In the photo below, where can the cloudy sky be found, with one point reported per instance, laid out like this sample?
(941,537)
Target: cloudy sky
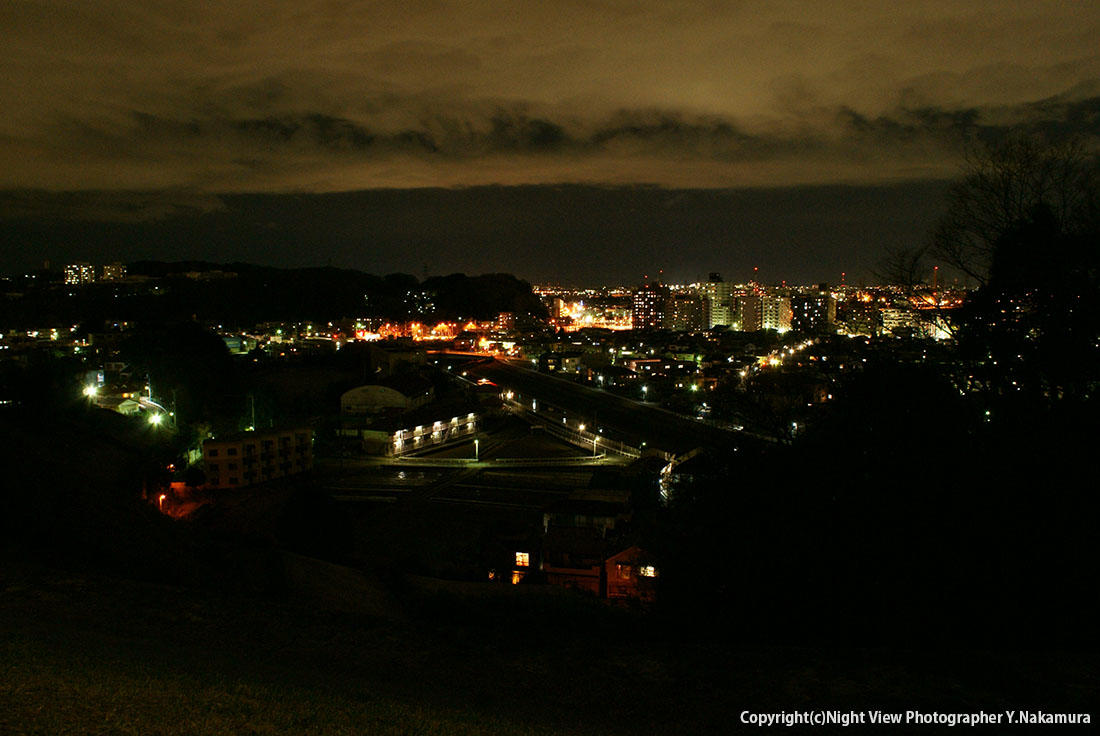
(203,99)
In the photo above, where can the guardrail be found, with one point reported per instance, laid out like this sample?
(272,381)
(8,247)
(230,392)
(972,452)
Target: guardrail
(510,462)
(577,460)
(458,462)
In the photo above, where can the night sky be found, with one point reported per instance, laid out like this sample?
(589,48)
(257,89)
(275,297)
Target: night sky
(582,142)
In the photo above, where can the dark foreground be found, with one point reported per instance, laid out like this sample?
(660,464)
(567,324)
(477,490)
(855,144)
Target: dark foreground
(337,652)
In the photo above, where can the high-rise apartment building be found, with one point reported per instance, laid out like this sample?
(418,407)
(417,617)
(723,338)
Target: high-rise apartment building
(77,274)
(720,305)
(686,313)
(775,313)
(113,272)
(750,313)
(813,312)
(648,308)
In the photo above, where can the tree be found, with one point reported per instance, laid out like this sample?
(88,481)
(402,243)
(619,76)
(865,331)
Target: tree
(1023,223)
(1005,185)
(905,267)
(188,365)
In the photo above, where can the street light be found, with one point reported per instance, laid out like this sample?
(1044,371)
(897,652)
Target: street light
(155,419)
(90,390)
(581,427)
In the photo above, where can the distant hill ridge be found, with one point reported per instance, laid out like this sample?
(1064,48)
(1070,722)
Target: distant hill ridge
(264,293)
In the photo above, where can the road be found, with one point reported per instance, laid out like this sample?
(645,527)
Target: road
(632,422)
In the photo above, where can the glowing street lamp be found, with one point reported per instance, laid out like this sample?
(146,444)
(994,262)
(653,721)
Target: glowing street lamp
(155,419)
(90,390)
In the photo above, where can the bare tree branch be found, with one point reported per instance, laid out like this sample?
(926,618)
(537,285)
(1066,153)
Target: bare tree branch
(1003,185)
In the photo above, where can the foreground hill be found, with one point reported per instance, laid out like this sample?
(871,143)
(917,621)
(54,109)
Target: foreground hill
(114,619)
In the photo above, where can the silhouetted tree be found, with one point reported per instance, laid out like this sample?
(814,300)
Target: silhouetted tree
(1024,223)
(1005,185)
(188,365)
(904,267)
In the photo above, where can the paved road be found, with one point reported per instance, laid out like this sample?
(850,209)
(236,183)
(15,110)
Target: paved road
(620,418)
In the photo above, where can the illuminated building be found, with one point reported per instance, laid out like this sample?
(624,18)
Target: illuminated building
(397,435)
(557,308)
(649,304)
(114,272)
(255,457)
(628,575)
(750,313)
(813,312)
(720,304)
(565,362)
(775,313)
(77,274)
(686,314)
(898,321)
(661,367)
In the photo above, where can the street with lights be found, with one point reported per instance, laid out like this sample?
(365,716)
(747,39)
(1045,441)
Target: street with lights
(631,422)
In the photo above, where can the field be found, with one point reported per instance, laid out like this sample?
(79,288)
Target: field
(90,654)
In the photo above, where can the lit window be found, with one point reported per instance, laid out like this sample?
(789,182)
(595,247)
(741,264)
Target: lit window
(523,559)
(647,571)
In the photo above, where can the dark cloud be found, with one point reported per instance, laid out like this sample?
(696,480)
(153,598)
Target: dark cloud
(103,206)
(338,94)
